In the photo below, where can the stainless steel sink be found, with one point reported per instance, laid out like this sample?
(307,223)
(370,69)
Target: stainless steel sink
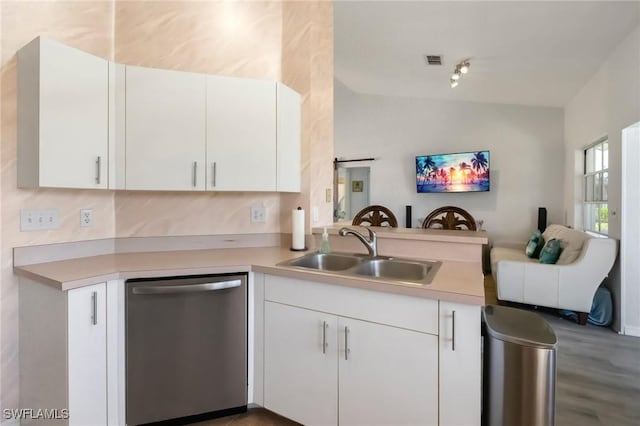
(403,270)
(325,262)
(378,267)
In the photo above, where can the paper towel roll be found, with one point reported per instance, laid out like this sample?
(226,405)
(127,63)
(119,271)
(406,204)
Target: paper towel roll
(297,226)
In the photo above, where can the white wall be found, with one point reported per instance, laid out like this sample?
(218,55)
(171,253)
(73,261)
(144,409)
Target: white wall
(526,155)
(608,103)
(630,225)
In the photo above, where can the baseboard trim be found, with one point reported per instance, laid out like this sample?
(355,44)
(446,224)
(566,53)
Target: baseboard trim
(632,331)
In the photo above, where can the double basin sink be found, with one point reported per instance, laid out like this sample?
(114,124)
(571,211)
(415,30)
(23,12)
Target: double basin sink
(374,267)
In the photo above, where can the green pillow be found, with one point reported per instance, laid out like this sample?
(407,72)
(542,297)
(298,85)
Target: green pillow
(551,251)
(535,244)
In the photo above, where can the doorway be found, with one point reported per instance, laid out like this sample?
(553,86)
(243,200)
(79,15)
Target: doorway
(352,192)
(629,231)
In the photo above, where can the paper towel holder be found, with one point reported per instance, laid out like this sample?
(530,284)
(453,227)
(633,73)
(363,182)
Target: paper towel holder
(305,248)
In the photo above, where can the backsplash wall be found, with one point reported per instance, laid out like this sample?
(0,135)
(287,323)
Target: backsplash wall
(307,66)
(87,26)
(244,39)
(241,39)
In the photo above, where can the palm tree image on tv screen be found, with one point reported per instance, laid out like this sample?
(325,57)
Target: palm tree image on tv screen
(458,172)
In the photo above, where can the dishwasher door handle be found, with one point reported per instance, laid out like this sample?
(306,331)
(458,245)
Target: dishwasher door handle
(193,288)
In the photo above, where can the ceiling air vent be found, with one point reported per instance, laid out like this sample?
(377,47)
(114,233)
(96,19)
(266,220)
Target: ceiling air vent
(433,59)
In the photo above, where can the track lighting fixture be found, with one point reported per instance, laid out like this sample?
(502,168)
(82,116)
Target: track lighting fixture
(461,68)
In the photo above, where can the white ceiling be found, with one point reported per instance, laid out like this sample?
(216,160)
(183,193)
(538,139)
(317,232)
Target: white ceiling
(521,52)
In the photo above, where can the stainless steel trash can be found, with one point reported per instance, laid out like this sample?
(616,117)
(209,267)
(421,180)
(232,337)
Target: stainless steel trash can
(519,368)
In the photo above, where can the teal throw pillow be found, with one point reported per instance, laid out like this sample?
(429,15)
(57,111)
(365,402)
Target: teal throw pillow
(551,251)
(535,244)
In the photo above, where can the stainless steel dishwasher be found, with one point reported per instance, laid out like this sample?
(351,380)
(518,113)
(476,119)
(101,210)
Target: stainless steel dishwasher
(186,348)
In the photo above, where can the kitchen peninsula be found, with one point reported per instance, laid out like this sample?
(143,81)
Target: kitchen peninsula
(405,351)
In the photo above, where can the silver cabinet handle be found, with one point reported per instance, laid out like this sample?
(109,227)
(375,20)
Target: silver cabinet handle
(453,330)
(98,161)
(195,174)
(193,288)
(324,337)
(346,343)
(213,174)
(94,308)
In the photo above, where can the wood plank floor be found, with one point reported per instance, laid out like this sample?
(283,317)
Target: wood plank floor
(598,378)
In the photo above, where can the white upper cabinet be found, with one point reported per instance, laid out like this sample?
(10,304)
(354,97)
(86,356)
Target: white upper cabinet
(289,138)
(241,134)
(63,101)
(85,122)
(165,129)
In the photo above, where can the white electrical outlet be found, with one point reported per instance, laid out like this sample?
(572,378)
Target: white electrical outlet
(86,217)
(258,214)
(39,220)
(316,214)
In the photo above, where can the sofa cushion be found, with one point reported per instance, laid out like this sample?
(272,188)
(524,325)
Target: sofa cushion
(551,251)
(535,244)
(507,253)
(571,242)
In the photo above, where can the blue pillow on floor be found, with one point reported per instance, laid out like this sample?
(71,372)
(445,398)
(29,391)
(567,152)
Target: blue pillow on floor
(601,309)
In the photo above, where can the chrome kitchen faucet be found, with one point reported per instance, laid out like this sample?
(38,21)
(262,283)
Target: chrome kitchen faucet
(371,244)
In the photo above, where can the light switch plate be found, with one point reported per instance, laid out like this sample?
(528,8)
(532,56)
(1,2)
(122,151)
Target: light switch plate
(258,214)
(39,220)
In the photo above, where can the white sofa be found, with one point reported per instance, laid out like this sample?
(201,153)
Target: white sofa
(569,284)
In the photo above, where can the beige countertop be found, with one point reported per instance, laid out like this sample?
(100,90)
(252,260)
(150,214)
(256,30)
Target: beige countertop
(438,235)
(455,281)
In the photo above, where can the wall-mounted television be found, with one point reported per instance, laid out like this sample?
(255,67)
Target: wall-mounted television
(456,172)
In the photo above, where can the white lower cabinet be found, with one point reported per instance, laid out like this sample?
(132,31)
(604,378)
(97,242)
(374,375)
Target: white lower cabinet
(387,375)
(300,381)
(87,356)
(460,364)
(339,355)
(65,362)
(321,369)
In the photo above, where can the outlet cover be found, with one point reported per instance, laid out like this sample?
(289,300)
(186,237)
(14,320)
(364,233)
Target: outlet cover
(86,217)
(258,214)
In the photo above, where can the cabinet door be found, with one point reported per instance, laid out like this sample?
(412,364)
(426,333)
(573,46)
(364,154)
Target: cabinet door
(299,375)
(387,375)
(87,356)
(63,99)
(165,129)
(241,134)
(460,364)
(289,139)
